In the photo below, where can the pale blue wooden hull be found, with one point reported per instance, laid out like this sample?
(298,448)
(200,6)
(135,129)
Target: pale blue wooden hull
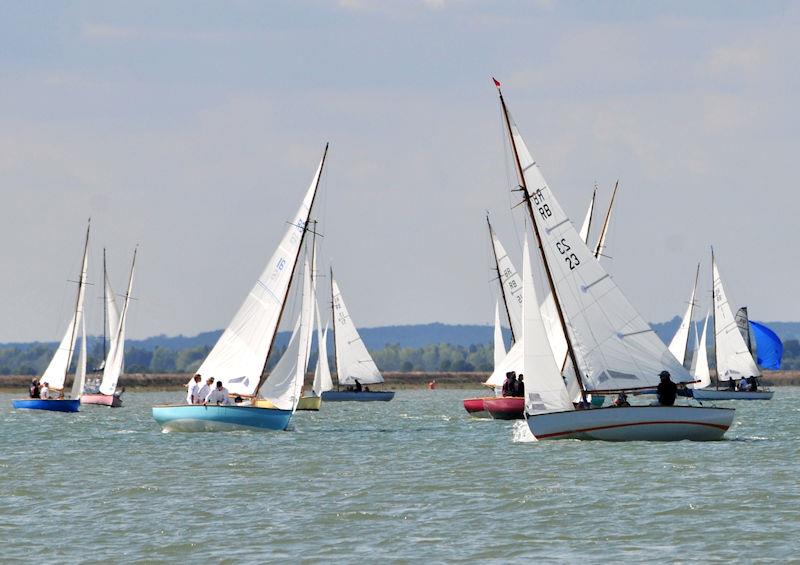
(363,396)
(51,405)
(198,418)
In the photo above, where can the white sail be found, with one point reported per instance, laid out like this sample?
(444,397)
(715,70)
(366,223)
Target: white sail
(616,349)
(239,356)
(544,388)
(112,368)
(284,385)
(587,220)
(701,372)
(112,313)
(511,283)
(693,365)
(80,368)
(353,361)
(679,346)
(56,372)
(322,376)
(734,360)
(499,344)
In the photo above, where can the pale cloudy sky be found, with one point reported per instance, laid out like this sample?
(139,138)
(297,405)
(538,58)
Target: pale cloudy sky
(193,128)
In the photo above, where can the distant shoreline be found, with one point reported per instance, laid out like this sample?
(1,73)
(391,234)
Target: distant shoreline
(394,380)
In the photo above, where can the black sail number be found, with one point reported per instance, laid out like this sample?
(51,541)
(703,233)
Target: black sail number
(565,249)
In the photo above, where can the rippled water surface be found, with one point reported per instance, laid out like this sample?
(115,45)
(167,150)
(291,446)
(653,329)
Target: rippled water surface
(407,480)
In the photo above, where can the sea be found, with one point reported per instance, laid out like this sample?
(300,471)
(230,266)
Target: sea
(408,481)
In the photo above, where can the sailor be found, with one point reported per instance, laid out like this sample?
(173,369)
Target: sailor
(743,386)
(621,400)
(191,390)
(34,388)
(509,386)
(753,382)
(731,384)
(519,389)
(218,396)
(667,390)
(204,391)
(44,391)
(358,386)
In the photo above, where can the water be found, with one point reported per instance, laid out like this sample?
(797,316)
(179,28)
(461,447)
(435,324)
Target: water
(403,481)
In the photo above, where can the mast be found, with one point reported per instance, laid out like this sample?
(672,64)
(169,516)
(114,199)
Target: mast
(500,278)
(527,199)
(333,326)
(105,304)
(714,306)
(601,240)
(294,270)
(77,303)
(694,293)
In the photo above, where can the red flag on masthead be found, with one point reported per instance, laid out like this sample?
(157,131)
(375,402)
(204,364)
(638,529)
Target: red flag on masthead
(496,82)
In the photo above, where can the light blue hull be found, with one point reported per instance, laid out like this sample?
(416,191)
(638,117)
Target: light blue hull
(198,418)
(363,396)
(51,405)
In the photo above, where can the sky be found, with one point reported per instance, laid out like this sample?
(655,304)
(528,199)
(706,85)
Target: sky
(194,128)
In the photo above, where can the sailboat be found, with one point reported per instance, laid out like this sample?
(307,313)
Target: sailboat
(679,345)
(56,373)
(610,346)
(108,395)
(734,360)
(239,357)
(355,368)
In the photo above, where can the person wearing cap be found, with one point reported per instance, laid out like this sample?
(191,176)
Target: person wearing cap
(192,387)
(510,384)
(218,396)
(667,390)
(44,391)
(34,388)
(204,391)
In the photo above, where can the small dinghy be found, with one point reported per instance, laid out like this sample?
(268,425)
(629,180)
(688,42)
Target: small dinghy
(610,347)
(239,358)
(56,373)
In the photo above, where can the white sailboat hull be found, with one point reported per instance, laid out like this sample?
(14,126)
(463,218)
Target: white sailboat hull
(713,394)
(634,423)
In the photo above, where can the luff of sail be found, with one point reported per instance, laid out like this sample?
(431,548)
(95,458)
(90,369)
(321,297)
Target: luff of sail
(615,348)
(239,356)
(353,361)
(112,368)
(56,372)
(679,345)
(734,360)
(112,313)
(701,372)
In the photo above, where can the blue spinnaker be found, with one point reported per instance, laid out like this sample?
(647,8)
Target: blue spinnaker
(769,348)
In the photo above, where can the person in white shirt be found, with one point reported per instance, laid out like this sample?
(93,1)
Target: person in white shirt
(204,391)
(44,392)
(743,386)
(218,396)
(192,388)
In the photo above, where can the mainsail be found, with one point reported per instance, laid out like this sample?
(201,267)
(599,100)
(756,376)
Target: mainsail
(614,347)
(510,285)
(353,361)
(56,372)
(679,346)
(239,356)
(111,322)
(734,360)
(112,368)
(80,368)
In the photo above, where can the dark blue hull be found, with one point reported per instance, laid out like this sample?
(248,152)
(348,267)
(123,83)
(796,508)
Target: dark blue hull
(50,405)
(363,396)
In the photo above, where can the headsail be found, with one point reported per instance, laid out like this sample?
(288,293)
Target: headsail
(769,348)
(353,361)
(322,375)
(80,368)
(701,372)
(587,220)
(239,356)
(613,345)
(679,346)
(544,388)
(734,360)
(499,344)
(112,313)
(510,285)
(56,372)
(112,368)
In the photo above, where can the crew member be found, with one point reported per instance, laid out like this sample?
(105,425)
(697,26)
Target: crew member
(34,388)
(218,396)
(509,386)
(44,391)
(519,388)
(667,390)
(204,391)
(192,387)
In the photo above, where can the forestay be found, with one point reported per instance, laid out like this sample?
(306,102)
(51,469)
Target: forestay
(544,388)
(112,368)
(734,360)
(616,349)
(239,356)
(284,385)
(353,361)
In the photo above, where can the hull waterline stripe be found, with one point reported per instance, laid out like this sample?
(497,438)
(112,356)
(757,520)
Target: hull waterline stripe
(610,426)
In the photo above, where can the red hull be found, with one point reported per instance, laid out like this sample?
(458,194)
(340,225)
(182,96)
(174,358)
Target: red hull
(111,401)
(475,407)
(505,408)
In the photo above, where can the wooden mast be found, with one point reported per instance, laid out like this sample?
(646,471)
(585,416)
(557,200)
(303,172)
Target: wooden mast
(294,270)
(527,198)
(500,278)
(77,303)
(599,247)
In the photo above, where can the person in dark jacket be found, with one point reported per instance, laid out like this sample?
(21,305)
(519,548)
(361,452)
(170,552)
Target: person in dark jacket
(520,388)
(667,390)
(510,384)
(34,388)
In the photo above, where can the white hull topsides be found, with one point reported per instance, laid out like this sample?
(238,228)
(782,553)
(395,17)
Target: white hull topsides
(713,394)
(634,423)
